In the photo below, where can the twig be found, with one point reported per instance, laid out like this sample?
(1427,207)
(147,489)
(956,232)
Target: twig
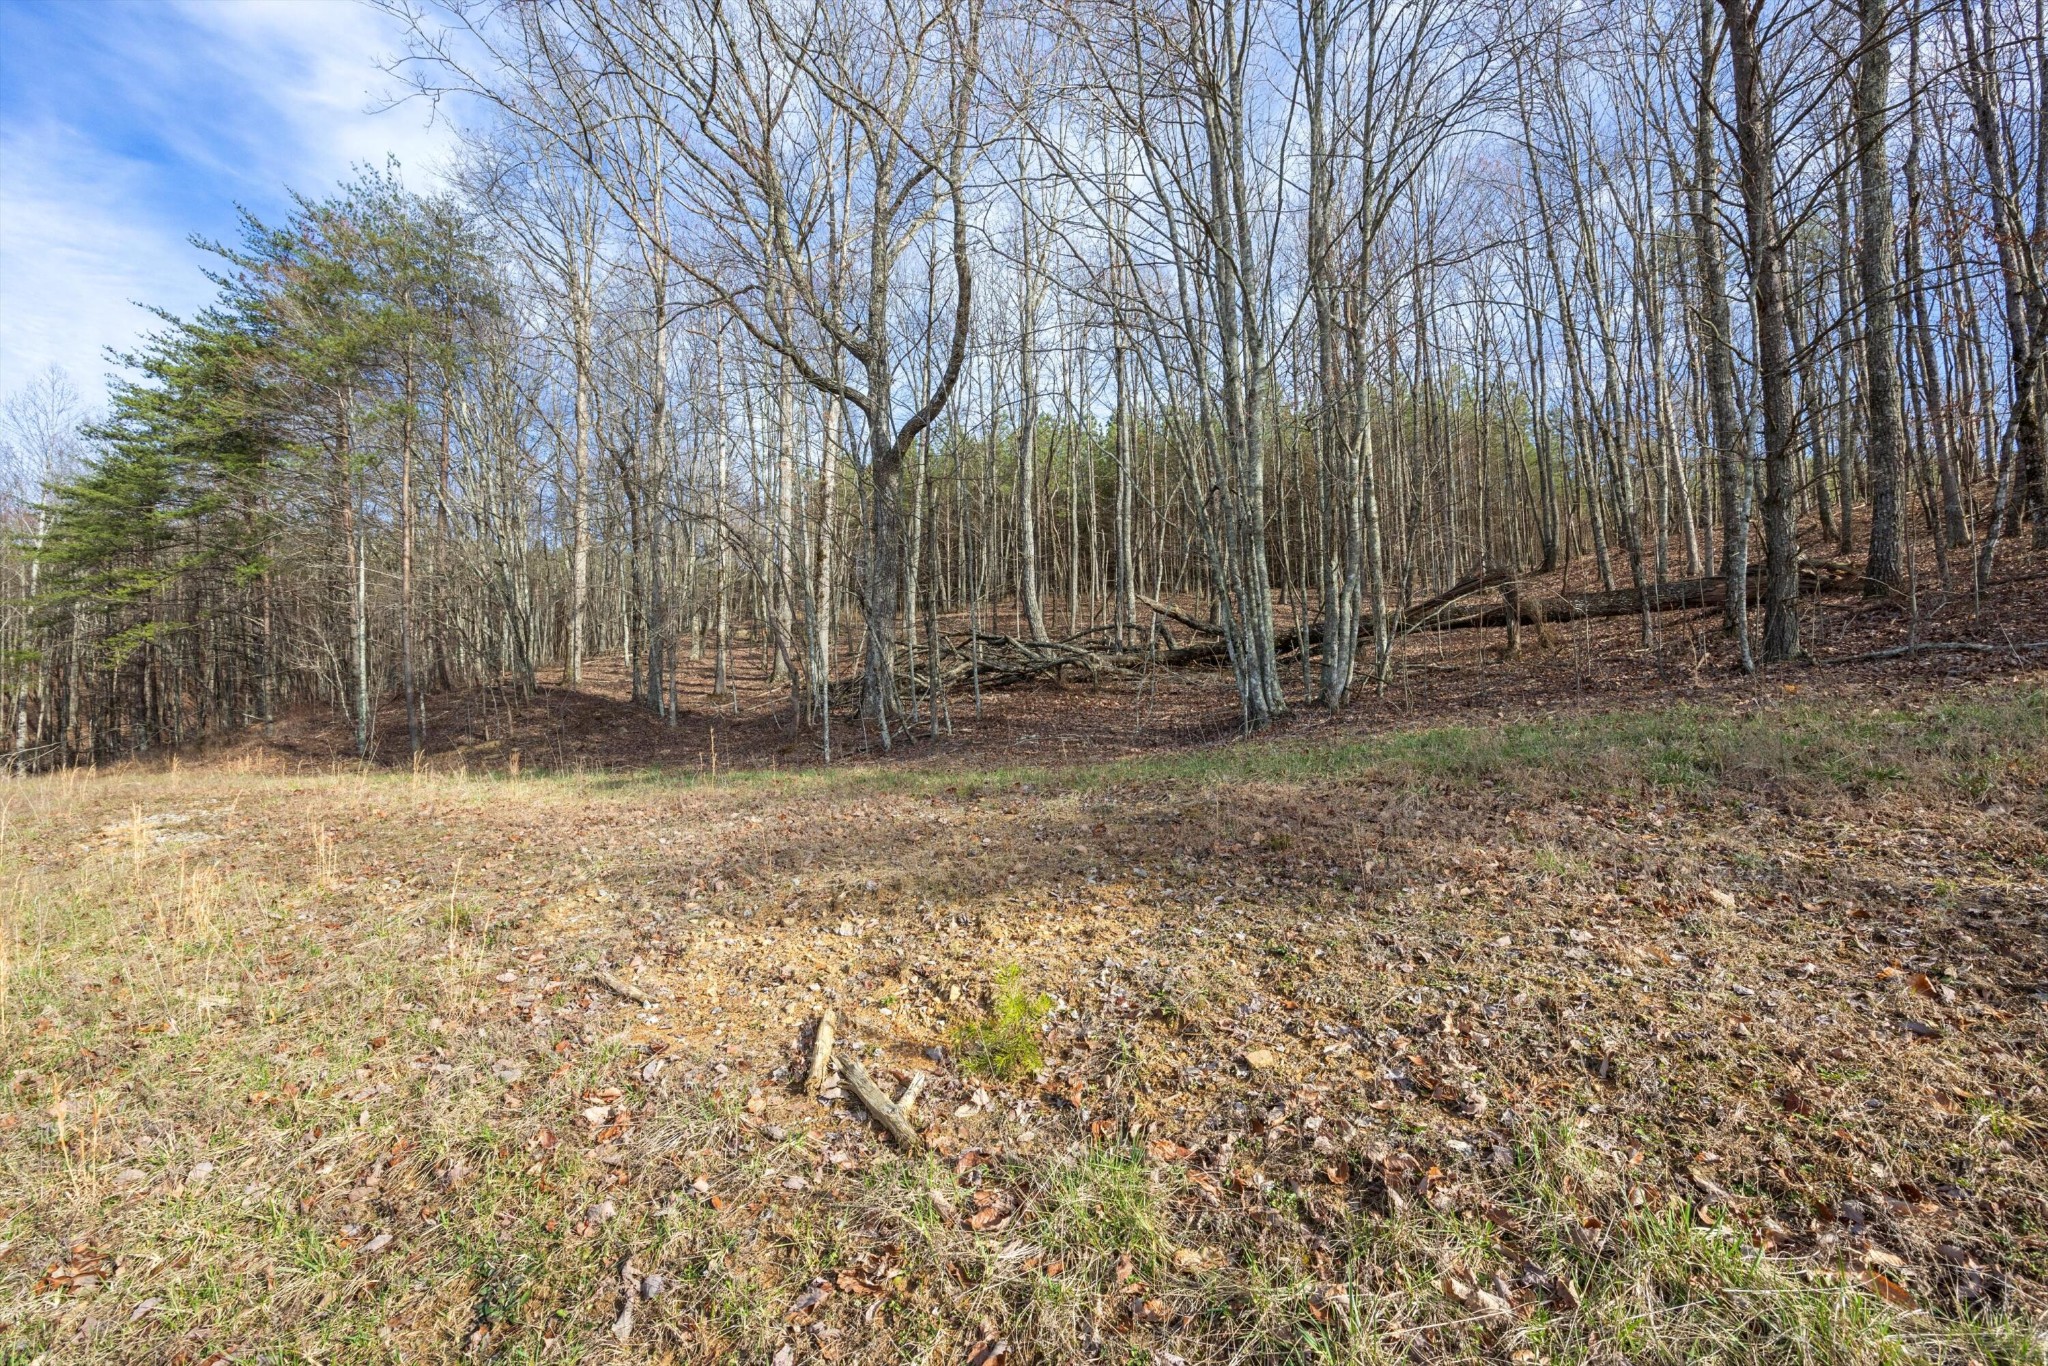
(618,985)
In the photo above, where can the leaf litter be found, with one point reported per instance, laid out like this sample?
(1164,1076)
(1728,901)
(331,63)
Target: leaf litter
(1455,1061)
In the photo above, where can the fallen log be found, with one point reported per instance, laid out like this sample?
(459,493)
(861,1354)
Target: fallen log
(1537,608)
(1671,595)
(1424,613)
(1011,661)
(1287,641)
(1929,647)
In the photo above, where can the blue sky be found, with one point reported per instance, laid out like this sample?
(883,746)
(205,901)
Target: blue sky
(126,126)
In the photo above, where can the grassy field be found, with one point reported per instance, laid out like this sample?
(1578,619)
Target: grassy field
(1700,1034)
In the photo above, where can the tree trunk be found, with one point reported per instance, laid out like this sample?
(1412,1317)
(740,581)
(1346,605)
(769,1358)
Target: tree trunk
(1757,149)
(1883,571)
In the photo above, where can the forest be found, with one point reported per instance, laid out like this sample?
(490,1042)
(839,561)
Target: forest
(1163,682)
(882,353)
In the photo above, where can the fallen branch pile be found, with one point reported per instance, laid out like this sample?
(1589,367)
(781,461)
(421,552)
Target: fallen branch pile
(1004,661)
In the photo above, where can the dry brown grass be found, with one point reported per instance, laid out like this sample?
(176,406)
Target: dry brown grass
(1693,1035)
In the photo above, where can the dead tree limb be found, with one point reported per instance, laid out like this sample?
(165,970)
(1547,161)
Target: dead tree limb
(877,1103)
(821,1056)
(1938,647)
(1199,627)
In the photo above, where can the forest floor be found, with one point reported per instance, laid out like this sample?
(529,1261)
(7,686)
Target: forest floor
(1454,676)
(1695,1025)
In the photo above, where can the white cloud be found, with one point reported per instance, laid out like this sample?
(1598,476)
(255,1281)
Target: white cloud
(220,102)
(78,254)
(323,65)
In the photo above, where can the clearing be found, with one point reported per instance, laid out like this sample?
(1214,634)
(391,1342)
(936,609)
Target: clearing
(1709,1031)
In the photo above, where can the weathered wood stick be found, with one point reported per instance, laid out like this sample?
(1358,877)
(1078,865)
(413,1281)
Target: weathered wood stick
(877,1103)
(618,985)
(821,1056)
(912,1089)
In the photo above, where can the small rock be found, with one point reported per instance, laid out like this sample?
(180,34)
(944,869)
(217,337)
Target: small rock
(1259,1059)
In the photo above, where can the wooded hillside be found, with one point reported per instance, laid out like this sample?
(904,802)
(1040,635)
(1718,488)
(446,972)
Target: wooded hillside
(882,350)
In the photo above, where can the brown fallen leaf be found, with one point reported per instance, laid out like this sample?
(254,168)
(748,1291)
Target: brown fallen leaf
(1890,1291)
(1923,985)
(1791,1101)
(991,1211)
